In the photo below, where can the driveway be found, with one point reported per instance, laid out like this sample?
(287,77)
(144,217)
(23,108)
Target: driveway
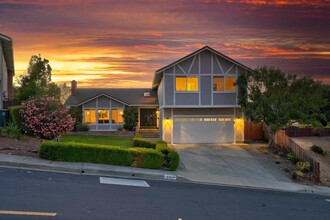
(227,164)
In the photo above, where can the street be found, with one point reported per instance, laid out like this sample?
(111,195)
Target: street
(28,194)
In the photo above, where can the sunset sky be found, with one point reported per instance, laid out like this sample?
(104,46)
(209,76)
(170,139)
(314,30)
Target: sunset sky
(120,43)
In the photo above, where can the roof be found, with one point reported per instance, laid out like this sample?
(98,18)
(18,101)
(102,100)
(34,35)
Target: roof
(131,97)
(159,73)
(7,47)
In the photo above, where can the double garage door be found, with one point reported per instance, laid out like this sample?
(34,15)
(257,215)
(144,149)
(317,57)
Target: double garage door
(197,129)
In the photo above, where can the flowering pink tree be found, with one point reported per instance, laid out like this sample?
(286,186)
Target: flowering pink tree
(45,117)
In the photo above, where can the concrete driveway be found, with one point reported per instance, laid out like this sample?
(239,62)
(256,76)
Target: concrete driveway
(227,164)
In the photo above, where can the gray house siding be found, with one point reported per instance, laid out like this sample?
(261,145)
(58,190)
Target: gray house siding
(205,65)
(104,103)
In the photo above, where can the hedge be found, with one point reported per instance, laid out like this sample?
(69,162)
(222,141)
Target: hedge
(77,152)
(15,116)
(171,157)
(147,158)
(139,142)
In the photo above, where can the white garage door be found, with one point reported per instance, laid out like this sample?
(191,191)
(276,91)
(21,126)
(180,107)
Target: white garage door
(203,130)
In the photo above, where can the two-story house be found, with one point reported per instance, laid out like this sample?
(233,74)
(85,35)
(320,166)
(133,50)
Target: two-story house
(192,100)
(6,70)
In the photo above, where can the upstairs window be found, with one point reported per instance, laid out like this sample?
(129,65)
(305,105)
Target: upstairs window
(221,83)
(186,84)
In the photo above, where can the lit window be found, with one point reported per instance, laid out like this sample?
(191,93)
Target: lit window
(186,83)
(90,116)
(224,84)
(218,84)
(103,116)
(117,116)
(230,81)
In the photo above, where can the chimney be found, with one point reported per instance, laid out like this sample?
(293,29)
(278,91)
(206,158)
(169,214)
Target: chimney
(73,87)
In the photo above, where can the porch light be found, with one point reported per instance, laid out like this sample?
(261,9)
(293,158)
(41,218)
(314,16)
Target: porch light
(121,112)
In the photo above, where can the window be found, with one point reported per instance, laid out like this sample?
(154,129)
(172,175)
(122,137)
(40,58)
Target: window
(117,116)
(186,83)
(103,116)
(221,83)
(90,116)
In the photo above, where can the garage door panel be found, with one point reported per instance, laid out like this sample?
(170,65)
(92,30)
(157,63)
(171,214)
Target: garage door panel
(203,130)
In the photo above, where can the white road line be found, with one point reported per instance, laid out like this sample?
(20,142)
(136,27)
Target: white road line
(124,182)
(11,212)
(328,200)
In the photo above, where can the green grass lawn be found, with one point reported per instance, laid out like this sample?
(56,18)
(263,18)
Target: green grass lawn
(125,142)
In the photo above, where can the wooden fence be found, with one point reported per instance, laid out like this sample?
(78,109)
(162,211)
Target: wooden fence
(304,132)
(282,140)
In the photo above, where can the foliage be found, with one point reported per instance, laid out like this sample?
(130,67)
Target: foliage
(297,174)
(124,142)
(303,166)
(15,116)
(269,95)
(147,158)
(84,127)
(37,81)
(76,114)
(326,108)
(139,142)
(130,116)
(317,149)
(292,157)
(89,153)
(11,130)
(45,117)
(171,156)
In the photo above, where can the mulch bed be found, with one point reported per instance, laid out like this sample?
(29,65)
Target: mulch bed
(29,146)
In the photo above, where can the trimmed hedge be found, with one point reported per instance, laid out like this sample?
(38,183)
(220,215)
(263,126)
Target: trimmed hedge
(15,116)
(77,152)
(147,158)
(139,142)
(171,157)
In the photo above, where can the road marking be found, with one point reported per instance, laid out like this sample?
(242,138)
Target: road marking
(124,182)
(11,212)
(328,200)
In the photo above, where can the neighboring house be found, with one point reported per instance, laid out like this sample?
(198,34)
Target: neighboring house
(192,100)
(6,71)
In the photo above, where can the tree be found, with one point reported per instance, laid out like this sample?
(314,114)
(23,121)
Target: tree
(37,81)
(45,117)
(130,118)
(268,95)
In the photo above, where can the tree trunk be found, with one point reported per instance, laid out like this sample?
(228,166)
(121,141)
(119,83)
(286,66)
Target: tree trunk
(271,143)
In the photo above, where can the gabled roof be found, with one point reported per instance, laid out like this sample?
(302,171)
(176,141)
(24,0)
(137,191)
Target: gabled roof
(7,47)
(130,97)
(159,73)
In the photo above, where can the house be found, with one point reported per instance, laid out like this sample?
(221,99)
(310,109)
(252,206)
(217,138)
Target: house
(192,100)
(6,75)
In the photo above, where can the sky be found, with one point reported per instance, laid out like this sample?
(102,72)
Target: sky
(121,43)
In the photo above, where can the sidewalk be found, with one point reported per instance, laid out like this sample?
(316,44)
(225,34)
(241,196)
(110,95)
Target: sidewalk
(121,171)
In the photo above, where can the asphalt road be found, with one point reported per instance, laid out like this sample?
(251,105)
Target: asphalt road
(72,196)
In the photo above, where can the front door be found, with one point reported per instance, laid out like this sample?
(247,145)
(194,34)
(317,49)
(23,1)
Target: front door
(148,117)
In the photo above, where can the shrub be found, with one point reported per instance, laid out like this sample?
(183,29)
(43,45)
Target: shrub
(46,117)
(297,174)
(76,113)
(317,149)
(15,116)
(84,127)
(77,152)
(139,142)
(147,158)
(11,130)
(292,157)
(303,166)
(130,116)
(171,156)
(173,161)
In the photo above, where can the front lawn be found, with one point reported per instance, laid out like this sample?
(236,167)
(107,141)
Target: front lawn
(125,142)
